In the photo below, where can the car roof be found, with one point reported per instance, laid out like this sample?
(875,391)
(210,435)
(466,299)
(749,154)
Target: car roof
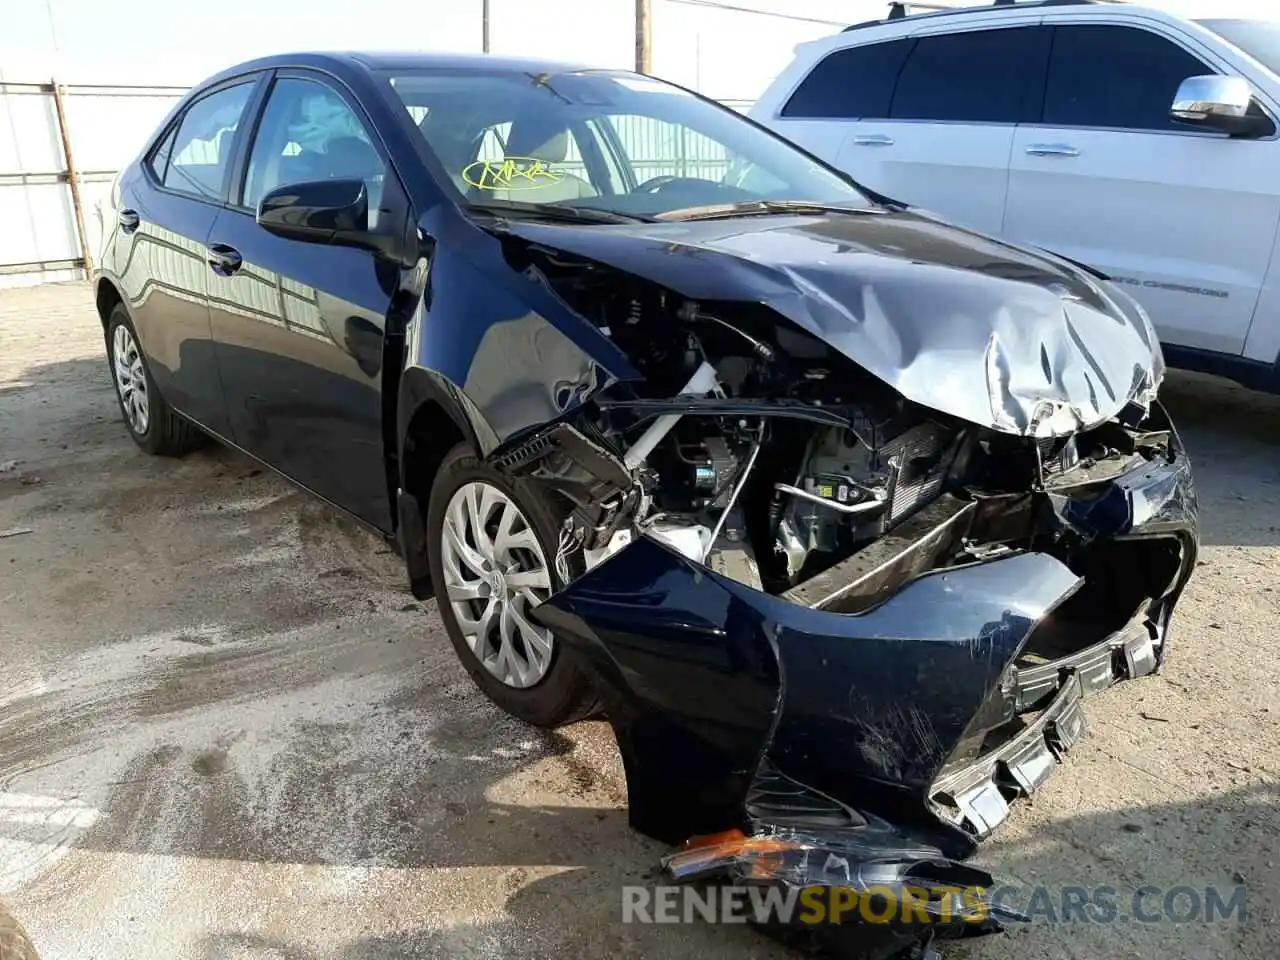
(900,14)
(372,61)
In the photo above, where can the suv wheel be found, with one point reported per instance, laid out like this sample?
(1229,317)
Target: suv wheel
(492,548)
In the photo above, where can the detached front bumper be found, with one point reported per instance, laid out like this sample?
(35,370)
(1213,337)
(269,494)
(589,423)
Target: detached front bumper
(902,732)
(926,709)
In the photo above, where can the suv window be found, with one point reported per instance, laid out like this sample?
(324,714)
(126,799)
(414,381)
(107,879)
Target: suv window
(983,76)
(205,140)
(1113,76)
(851,84)
(308,132)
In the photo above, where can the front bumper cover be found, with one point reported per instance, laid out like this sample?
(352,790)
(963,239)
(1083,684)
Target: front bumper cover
(734,709)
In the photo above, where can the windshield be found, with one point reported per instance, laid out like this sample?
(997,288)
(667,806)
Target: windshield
(604,141)
(1260,39)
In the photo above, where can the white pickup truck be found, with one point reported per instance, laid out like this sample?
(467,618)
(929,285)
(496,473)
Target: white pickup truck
(1128,139)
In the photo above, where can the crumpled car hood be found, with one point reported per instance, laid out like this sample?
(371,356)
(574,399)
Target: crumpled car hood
(1018,341)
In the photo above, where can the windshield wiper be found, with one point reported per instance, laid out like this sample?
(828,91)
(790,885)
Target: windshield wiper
(751,208)
(577,214)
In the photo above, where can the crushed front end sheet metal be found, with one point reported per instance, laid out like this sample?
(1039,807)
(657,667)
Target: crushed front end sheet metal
(929,308)
(879,737)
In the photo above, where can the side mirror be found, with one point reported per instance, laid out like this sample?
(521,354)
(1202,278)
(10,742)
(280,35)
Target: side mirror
(1218,103)
(319,211)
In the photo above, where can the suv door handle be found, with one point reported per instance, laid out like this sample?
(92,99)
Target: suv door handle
(129,220)
(224,259)
(873,140)
(1052,150)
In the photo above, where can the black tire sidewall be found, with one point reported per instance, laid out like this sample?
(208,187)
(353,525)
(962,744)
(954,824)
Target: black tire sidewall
(555,698)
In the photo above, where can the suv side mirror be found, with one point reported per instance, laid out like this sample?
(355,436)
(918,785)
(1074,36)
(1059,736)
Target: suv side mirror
(319,211)
(1218,103)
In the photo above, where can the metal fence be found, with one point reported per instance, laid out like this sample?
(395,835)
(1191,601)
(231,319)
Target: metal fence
(61,146)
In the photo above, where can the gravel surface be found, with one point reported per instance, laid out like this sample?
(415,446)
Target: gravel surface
(226,731)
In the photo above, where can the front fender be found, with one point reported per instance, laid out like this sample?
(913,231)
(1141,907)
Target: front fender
(497,348)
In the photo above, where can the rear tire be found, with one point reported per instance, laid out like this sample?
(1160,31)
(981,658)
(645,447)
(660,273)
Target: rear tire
(150,420)
(483,615)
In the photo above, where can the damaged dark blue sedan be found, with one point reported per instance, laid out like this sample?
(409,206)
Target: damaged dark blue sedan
(837,512)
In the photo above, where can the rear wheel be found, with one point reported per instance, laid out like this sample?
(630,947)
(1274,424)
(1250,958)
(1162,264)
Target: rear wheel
(151,422)
(492,546)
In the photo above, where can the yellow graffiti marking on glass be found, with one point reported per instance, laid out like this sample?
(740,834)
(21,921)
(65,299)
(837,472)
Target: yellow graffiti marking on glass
(512,173)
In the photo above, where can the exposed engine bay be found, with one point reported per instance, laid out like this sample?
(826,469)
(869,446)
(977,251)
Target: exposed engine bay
(753,447)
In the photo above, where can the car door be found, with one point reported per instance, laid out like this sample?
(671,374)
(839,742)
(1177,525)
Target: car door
(300,326)
(166,212)
(1184,218)
(943,137)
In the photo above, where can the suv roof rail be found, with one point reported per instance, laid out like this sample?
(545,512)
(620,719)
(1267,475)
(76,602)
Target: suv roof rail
(900,9)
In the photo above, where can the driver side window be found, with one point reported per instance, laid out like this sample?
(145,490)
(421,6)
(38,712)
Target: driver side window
(309,133)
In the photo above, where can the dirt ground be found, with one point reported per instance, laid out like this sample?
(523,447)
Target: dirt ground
(227,732)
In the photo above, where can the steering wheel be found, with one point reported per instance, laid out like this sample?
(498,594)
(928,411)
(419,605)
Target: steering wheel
(654,184)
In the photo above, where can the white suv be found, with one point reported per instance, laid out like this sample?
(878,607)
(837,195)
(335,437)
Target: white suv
(1127,139)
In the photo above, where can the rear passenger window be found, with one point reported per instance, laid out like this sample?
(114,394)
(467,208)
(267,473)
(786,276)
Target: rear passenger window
(985,76)
(1105,76)
(206,137)
(850,84)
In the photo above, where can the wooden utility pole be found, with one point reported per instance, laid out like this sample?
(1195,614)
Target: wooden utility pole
(484,25)
(73,176)
(644,37)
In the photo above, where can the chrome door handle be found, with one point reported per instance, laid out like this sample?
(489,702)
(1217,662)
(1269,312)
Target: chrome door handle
(1052,150)
(873,140)
(224,259)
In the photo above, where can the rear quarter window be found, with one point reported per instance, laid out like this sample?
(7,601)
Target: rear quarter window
(158,161)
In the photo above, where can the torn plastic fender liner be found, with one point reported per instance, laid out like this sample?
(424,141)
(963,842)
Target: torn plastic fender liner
(704,678)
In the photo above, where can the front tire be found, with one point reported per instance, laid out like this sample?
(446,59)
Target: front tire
(492,546)
(150,420)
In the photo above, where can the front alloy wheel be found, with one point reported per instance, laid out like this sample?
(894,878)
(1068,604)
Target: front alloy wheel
(494,569)
(491,543)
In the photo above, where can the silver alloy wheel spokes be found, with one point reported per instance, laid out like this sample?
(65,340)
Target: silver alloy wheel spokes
(131,380)
(494,570)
